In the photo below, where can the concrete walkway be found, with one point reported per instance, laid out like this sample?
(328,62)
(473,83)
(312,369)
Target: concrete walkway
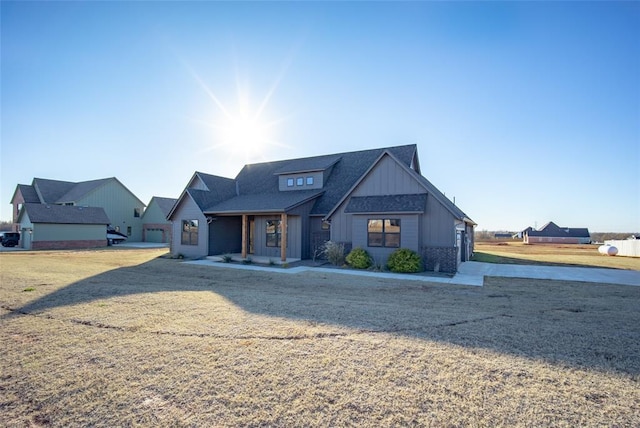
(470,273)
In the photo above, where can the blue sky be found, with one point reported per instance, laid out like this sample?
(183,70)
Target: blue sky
(524,112)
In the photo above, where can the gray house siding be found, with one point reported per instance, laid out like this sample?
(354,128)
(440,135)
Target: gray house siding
(438,225)
(302,214)
(388,178)
(294,230)
(119,204)
(189,210)
(225,235)
(409,234)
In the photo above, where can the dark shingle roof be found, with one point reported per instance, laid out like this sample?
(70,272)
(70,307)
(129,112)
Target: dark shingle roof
(264,202)
(387,204)
(65,214)
(165,204)
(29,193)
(553,230)
(347,168)
(81,189)
(51,190)
(319,163)
(221,189)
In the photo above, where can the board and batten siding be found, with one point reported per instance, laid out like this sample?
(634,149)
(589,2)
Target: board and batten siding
(409,234)
(386,178)
(294,239)
(119,205)
(438,225)
(189,210)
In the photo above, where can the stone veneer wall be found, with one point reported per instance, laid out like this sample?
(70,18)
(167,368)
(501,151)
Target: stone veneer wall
(441,259)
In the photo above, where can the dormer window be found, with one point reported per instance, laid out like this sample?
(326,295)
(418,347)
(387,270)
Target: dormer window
(299,181)
(290,182)
(309,181)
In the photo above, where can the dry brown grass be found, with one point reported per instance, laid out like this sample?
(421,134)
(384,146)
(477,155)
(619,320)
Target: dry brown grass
(124,338)
(550,254)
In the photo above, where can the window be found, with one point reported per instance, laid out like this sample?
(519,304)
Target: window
(383,233)
(136,212)
(189,232)
(128,230)
(299,181)
(274,230)
(309,181)
(289,182)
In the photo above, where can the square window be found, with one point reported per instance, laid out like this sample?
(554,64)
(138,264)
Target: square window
(383,233)
(299,181)
(289,182)
(309,181)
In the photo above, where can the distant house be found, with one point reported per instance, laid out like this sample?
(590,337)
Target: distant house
(122,208)
(45,226)
(374,199)
(155,226)
(551,233)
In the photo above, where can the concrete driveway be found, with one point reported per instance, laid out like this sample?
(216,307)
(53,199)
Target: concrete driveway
(471,270)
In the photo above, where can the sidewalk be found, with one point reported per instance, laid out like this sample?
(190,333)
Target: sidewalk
(470,273)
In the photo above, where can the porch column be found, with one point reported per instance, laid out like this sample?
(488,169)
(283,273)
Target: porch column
(244,236)
(283,237)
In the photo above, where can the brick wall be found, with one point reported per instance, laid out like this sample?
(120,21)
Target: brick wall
(68,245)
(441,259)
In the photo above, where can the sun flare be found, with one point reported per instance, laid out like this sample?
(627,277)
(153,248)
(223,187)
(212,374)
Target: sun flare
(241,130)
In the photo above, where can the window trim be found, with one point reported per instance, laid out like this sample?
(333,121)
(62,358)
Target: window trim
(383,233)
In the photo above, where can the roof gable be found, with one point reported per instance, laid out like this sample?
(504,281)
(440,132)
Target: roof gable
(82,189)
(49,191)
(28,192)
(426,184)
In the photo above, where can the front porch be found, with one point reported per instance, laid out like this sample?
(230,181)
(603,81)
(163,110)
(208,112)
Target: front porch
(237,257)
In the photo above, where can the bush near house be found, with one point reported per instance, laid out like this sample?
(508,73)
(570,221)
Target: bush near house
(334,252)
(359,258)
(404,260)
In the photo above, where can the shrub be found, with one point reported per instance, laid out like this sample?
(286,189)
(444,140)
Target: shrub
(403,260)
(226,258)
(334,252)
(359,258)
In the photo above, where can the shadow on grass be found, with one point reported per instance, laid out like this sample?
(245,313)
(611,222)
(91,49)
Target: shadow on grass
(590,326)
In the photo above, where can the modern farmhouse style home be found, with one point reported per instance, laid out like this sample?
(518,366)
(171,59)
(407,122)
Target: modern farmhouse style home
(374,199)
(55,214)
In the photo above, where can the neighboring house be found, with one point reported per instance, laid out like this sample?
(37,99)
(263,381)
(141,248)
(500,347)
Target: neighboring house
(551,233)
(122,208)
(155,226)
(45,226)
(373,199)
